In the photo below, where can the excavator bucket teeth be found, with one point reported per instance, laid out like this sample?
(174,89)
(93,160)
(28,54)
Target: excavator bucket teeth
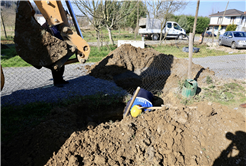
(34,44)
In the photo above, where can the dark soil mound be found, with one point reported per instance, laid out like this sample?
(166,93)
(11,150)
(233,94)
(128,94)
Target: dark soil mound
(130,67)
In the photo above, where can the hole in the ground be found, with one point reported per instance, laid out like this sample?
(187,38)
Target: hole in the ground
(98,110)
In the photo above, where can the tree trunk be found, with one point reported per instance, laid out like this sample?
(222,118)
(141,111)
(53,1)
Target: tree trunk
(135,33)
(194,26)
(3,25)
(161,34)
(98,39)
(136,29)
(110,35)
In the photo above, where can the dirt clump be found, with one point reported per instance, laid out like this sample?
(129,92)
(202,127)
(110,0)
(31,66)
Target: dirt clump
(130,67)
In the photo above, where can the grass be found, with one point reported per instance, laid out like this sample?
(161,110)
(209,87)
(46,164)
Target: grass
(230,94)
(97,55)
(177,52)
(9,57)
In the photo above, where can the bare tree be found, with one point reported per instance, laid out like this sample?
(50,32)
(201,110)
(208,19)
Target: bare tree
(2,19)
(154,7)
(90,9)
(165,10)
(106,13)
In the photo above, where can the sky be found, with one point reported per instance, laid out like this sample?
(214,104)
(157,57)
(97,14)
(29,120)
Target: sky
(207,7)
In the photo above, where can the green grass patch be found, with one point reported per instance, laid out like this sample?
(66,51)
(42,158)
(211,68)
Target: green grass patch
(98,54)
(230,94)
(9,58)
(177,52)
(209,80)
(243,99)
(234,87)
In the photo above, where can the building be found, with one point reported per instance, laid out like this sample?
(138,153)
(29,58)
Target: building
(232,16)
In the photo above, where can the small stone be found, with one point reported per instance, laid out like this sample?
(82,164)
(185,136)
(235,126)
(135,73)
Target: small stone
(91,125)
(99,159)
(210,103)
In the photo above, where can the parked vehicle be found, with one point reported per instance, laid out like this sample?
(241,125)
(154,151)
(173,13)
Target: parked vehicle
(235,39)
(208,34)
(151,28)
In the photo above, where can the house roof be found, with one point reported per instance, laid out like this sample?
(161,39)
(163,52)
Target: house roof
(230,12)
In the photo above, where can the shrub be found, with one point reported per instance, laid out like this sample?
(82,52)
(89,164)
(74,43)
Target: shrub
(231,27)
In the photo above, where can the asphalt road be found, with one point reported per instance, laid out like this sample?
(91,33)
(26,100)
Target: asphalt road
(226,66)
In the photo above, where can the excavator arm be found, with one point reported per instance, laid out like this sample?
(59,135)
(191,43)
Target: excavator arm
(39,47)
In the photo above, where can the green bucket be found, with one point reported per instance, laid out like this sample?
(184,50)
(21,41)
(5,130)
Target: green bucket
(189,88)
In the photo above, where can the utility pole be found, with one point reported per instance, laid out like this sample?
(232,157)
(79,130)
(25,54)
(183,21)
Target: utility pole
(219,24)
(222,18)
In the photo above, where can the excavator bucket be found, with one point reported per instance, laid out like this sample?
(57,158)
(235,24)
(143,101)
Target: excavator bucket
(34,44)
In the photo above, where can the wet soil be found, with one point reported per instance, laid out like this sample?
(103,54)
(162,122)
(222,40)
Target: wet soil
(204,133)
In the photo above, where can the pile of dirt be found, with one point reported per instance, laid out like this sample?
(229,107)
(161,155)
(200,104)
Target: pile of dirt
(201,134)
(196,135)
(130,67)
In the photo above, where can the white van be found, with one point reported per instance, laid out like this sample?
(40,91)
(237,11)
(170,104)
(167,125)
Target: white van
(151,28)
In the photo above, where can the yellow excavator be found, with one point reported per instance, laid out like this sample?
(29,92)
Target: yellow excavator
(37,46)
